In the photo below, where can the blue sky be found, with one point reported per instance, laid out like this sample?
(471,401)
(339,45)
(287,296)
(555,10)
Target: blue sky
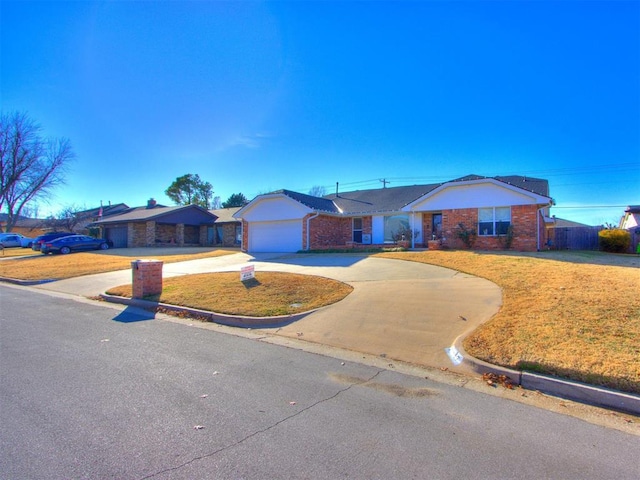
(259,96)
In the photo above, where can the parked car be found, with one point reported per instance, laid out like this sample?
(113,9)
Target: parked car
(38,241)
(15,240)
(74,243)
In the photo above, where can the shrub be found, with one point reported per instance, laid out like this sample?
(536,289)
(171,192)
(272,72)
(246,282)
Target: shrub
(506,240)
(614,240)
(467,235)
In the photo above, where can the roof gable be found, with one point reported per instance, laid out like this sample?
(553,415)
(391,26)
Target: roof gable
(187,214)
(475,193)
(280,205)
(396,199)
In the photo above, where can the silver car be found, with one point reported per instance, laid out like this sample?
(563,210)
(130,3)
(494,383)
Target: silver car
(8,240)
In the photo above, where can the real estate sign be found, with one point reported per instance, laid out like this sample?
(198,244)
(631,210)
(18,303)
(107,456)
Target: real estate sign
(247,273)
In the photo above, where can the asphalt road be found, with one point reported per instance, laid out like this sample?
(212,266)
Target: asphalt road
(91,391)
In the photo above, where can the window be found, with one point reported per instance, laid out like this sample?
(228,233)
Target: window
(357,230)
(395,224)
(494,221)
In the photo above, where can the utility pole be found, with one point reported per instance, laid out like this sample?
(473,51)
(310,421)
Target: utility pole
(384,182)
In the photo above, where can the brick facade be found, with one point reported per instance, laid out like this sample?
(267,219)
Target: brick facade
(146,278)
(245,236)
(327,231)
(524,220)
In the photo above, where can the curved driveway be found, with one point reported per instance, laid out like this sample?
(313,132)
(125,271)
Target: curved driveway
(401,310)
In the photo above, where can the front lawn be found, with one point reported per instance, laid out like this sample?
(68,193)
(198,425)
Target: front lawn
(571,314)
(48,267)
(269,294)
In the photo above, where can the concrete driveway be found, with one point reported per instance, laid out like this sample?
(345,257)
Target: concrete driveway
(400,310)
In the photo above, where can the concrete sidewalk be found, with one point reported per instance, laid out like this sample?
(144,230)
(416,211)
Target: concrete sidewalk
(400,310)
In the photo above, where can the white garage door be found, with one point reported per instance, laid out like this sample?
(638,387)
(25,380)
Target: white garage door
(282,236)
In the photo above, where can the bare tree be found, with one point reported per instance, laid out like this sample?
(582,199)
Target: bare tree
(317,191)
(30,165)
(67,218)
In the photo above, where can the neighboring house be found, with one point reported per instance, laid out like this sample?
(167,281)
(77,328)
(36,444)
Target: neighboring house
(565,234)
(29,227)
(227,230)
(287,221)
(630,221)
(87,217)
(157,225)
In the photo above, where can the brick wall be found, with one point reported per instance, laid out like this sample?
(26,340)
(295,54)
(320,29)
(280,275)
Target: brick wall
(523,220)
(328,231)
(229,235)
(202,234)
(146,277)
(165,234)
(245,236)
(137,235)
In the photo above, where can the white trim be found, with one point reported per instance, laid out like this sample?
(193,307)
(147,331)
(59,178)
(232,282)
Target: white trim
(528,197)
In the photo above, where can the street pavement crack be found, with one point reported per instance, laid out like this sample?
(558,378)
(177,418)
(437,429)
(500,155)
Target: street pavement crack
(266,429)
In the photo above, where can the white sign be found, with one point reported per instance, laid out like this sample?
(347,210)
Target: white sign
(247,273)
(455,356)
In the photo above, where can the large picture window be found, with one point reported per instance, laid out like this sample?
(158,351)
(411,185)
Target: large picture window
(494,221)
(394,224)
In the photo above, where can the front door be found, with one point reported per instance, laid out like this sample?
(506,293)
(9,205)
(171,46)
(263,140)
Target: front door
(436,226)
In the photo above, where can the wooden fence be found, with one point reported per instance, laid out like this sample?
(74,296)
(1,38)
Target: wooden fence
(573,238)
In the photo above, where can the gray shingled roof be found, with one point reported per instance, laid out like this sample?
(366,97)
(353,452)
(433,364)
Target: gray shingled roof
(378,200)
(394,199)
(225,215)
(323,204)
(138,214)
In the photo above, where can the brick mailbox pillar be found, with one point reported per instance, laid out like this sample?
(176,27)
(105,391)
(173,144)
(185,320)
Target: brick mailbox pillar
(147,277)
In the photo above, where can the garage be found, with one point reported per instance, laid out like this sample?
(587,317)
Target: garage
(281,236)
(117,235)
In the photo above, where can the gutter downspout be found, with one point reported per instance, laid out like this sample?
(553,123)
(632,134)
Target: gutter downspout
(538,225)
(317,214)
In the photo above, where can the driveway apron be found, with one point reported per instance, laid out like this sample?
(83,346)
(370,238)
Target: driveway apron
(400,310)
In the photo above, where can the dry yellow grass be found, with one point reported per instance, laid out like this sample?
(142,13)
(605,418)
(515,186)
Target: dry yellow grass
(45,267)
(16,252)
(269,294)
(568,315)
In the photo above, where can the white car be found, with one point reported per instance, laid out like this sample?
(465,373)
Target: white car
(14,240)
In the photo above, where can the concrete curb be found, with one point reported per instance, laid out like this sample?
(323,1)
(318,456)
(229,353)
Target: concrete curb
(26,283)
(557,387)
(220,318)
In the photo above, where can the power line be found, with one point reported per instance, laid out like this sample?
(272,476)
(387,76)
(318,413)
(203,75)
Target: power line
(593,206)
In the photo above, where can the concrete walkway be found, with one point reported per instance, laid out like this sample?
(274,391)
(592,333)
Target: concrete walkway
(399,310)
